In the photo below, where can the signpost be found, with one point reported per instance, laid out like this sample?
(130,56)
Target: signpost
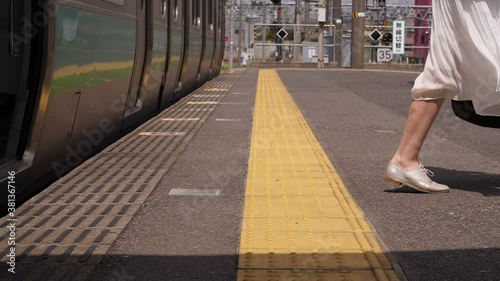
(398,33)
(384,55)
(375,35)
(282,33)
(311,52)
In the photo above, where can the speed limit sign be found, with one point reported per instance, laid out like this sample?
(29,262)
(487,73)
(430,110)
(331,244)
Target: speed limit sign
(384,55)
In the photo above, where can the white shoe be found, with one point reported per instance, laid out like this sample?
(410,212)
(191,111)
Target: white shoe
(417,179)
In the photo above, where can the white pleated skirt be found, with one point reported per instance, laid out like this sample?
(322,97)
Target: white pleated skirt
(464,57)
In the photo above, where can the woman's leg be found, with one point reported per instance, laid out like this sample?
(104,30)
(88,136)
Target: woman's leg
(404,168)
(421,115)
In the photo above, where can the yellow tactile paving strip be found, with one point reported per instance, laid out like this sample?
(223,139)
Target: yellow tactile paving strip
(300,222)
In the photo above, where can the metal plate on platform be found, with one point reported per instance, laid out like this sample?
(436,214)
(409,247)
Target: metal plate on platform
(195,192)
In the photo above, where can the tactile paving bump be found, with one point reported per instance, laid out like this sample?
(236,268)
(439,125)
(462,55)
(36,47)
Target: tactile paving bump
(66,229)
(309,275)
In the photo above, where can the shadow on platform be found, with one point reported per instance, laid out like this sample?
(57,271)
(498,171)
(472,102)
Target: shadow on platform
(456,264)
(486,184)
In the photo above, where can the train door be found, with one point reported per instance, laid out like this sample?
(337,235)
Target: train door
(192,48)
(20,54)
(208,42)
(222,39)
(161,50)
(215,66)
(221,42)
(148,77)
(175,51)
(133,103)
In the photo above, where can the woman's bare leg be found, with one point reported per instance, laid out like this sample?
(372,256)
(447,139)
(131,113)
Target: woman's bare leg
(421,115)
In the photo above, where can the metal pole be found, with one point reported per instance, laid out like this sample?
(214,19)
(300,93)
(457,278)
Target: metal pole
(264,31)
(249,26)
(240,34)
(230,60)
(279,41)
(297,31)
(357,39)
(337,14)
(306,19)
(374,21)
(329,4)
(321,39)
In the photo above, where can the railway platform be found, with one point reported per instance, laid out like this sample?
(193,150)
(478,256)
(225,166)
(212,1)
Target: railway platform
(270,174)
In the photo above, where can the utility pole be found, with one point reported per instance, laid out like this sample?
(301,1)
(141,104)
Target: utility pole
(264,30)
(306,18)
(357,37)
(321,38)
(329,5)
(230,60)
(240,34)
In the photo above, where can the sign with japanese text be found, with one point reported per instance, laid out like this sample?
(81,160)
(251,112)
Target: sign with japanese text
(398,37)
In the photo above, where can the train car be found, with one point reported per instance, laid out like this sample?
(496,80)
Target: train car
(192,52)
(78,74)
(219,39)
(208,46)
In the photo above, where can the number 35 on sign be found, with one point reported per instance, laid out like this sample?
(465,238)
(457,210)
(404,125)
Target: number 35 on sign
(384,55)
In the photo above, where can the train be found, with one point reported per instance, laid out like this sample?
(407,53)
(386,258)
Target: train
(76,75)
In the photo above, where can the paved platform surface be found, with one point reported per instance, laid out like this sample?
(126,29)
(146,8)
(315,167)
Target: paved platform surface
(358,117)
(66,230)
(167,202)
(299,220)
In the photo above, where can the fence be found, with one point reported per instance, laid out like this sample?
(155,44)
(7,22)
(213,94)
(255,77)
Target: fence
(268,44)
(280,42)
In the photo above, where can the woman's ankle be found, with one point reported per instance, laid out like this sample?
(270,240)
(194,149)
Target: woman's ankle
(405,163)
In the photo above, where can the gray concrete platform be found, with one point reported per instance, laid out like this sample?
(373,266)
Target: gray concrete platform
(119,216)
(193,237)
(65,231)
(358,117)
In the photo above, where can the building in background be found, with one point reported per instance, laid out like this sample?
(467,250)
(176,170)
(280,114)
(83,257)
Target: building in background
(422,35)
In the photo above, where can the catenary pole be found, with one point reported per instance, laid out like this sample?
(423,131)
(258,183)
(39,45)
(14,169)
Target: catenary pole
(306,18)
(321,39)
(230,60)
(264,30)
(240,33)
(357,38)
(337,14)
(298,35)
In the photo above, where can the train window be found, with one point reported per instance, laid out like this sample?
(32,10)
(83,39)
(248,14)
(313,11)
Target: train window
(176,10)
(195,11)
(109,7)
(163,8)
(211,12)
(116,2)
(219,17)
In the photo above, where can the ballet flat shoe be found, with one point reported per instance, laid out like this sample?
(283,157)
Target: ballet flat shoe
(417,179)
